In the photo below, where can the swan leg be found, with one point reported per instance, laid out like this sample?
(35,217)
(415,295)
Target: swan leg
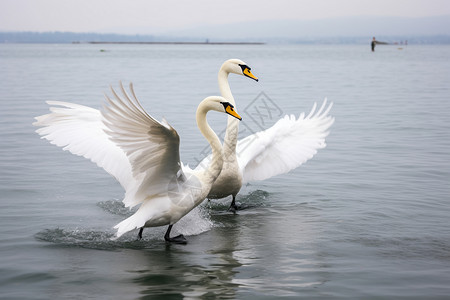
(179,239)
(233,207)
(140,233)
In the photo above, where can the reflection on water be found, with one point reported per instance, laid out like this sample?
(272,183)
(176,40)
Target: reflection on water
(233,256)
(177,271)
(231,260)
(188,272)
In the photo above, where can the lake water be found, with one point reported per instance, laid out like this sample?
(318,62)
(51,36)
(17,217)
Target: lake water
(366,218)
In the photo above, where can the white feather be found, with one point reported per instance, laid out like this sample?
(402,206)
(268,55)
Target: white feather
(151,147)
(285,146)
(79,129)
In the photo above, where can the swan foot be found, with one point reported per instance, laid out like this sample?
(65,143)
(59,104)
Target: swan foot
(140,233)
(233,207)
(179,239)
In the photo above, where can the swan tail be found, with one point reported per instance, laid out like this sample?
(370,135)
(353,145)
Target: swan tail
(150,213)
(128,224)
(137,220)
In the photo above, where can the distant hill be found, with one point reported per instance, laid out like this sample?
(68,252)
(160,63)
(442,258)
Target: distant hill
(68,37)
(351,30)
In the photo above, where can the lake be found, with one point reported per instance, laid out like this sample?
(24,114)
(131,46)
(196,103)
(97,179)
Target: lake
(366,218)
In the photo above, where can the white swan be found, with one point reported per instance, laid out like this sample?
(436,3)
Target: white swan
(141,153)
(229,181)
(277,150)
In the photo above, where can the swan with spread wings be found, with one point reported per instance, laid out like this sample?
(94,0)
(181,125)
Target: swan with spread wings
(289,143)
(141,153)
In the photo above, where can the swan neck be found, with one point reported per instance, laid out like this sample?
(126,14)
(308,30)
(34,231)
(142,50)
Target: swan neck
(224,86)
(215,166)
(231,134)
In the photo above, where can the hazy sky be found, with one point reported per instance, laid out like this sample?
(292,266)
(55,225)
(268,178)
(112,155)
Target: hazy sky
(159,16)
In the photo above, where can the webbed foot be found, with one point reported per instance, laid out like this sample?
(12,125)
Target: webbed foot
(179,239)
(233,208)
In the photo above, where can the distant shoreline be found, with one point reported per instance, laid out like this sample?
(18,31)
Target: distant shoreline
(176,43)
(98,38)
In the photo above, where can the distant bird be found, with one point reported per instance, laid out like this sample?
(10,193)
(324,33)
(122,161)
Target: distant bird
(141,153)
(277,150)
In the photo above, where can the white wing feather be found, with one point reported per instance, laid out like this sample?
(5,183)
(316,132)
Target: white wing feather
(285,146)
(140,152)
(79,129)
(152,147)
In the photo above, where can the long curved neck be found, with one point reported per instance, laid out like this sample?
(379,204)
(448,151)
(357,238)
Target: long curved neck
(231,135)
(215,166)
(224,86)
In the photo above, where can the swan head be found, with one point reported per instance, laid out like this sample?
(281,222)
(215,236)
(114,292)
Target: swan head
(239,67)
(229,109)
(219,104)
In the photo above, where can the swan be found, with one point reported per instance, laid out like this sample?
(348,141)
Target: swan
(229,181)
(289,143)
(141,153)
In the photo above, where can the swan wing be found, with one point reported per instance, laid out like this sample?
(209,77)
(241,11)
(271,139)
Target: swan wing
(285,146)
(152,147)
(79,129)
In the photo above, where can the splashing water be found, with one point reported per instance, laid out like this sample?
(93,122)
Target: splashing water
(195,222)
(115,207)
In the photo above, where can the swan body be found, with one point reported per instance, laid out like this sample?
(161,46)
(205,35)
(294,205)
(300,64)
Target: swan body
(283,147)
(141,153)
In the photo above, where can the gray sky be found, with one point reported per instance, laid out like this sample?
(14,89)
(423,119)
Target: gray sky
(160,16)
